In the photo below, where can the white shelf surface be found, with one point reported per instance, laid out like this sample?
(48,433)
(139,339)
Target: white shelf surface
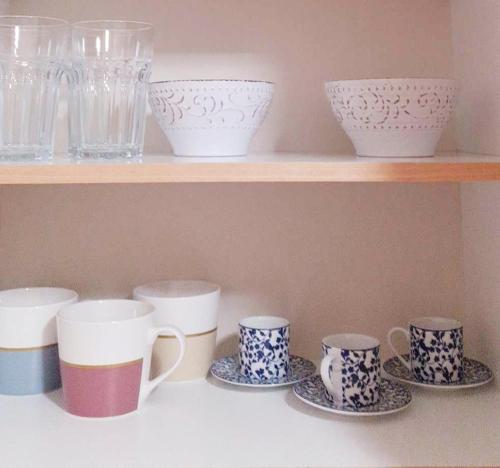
(209,424)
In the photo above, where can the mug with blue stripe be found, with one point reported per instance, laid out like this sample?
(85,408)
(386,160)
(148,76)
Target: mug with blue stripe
(29,360)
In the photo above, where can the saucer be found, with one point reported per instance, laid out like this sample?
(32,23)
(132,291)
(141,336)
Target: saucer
(394,397)
(475,374)
(227,370)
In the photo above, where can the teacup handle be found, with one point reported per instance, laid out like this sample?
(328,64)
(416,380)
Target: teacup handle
(154,333)
(389,342)
(325,374)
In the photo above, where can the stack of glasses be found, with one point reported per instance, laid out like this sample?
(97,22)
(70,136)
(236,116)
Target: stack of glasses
(107,64)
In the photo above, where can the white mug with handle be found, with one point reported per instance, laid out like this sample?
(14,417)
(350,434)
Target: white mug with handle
(105,352)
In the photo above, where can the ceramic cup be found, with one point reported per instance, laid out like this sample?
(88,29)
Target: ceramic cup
(105,353)
(29,362)
(436,349)
(263,347)
(192,307)
(350,369)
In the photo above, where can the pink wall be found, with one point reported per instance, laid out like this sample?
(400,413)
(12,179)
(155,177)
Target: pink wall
(481,237)
(331,257)
(299,44)
(476,36)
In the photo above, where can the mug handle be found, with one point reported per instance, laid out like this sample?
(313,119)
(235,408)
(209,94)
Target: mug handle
(154,333)
(389,342)
(325,374)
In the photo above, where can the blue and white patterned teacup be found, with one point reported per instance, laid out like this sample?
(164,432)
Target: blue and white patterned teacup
(436,349)
(263,347)
(350,369)
(29,359)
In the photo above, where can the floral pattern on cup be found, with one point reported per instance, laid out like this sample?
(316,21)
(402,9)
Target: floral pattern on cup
(361,385)
(437,355)
(360,378)
(263,352)
(353,374)
(436,349)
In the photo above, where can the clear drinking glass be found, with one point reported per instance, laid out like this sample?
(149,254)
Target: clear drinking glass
(32,53)
(111,66)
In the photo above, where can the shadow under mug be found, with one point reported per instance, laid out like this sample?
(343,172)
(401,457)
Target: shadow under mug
(29,360)
(436,349)
(105,352)
(263,347)
(350,369)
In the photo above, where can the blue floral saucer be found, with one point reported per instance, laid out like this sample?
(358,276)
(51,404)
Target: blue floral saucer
(475,374)
(394,397)
(227,370)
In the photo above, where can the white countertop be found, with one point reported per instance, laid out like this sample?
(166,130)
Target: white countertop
(208,424)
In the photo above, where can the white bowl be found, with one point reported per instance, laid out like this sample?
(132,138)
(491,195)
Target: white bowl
(393,117)
(210,117)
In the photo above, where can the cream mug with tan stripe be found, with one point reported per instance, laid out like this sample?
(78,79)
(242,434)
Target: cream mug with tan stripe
(192,307)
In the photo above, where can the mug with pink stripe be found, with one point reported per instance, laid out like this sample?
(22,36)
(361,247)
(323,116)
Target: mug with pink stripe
(105,352)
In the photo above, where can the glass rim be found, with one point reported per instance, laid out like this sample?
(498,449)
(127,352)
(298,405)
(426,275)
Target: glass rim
(51,22)
(92,25)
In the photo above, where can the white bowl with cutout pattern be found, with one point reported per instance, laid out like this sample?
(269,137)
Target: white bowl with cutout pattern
(393,117)
(210,117)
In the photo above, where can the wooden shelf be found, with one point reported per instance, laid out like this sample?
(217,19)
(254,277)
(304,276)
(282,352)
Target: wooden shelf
(274,167)
(205,423)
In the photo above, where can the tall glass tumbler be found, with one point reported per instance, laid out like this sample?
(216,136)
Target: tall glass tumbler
(32,54)
(111,66)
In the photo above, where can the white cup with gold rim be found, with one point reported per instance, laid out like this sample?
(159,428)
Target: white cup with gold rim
(190,305)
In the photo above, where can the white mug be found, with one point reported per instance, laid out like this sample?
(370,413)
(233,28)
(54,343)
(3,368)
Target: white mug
(191,306)
(105,354)
(29,362)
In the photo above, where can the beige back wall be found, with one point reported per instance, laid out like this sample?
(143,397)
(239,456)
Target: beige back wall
(331,257)
(477,63)
(481,237)
(296,43)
